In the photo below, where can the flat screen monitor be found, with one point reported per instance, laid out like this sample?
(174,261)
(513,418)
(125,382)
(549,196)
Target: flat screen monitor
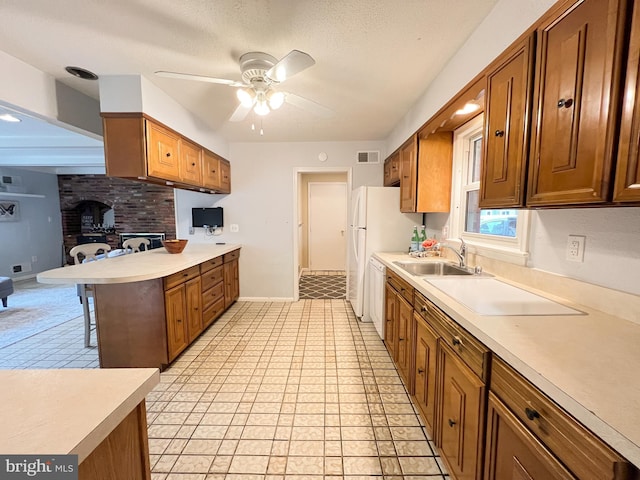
(207,217)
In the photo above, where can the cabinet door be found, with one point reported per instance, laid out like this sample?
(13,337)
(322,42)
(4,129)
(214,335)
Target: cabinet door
(507,110)
(425,370)
(211,176)
(408,175)
(627,184)
(433,191)
(390,324)
(405,323)
(225,176)
(462,415)
(392,170)
(387,173)
(577,74)
(193,294)
(231,282)
(162,151)
(190,162)
(177,328)
(513,452)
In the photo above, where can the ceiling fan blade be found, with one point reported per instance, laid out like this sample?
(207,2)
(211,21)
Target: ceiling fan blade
(200,78)
(294,62)
(308,105)
(240,113)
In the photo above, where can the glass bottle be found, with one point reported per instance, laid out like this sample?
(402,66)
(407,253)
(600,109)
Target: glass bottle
(423,237)
(415,240)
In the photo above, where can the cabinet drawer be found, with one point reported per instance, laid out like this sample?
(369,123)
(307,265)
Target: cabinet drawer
(213,294)
(210,278)
(228,257)
(209,264)
(212,312)
(401,286)
(579,449)
(470,350)
(180,277)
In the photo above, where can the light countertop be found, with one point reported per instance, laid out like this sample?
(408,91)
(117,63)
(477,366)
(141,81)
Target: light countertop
(589,363)
(67,411)
(135,267)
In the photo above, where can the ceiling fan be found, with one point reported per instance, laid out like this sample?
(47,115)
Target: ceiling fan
(261,75)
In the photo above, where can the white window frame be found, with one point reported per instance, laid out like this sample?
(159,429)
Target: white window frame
(510,249)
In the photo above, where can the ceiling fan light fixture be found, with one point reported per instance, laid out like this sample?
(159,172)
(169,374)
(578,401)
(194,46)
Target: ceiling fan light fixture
(261,107)
(246,97)
(276,99)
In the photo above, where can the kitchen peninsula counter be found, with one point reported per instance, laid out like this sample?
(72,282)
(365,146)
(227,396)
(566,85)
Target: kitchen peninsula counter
(586,363)
(148,265)
(149,306)
(95,414)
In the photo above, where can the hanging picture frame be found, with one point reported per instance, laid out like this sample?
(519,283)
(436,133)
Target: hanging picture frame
(9,211)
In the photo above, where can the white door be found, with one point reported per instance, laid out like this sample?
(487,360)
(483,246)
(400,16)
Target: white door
(327,226)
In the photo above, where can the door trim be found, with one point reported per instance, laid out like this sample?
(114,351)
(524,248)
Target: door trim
(297,173)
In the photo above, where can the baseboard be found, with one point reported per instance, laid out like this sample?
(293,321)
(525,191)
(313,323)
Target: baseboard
(266,299)
(24,278)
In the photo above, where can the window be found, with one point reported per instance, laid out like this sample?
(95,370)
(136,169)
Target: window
(496,233)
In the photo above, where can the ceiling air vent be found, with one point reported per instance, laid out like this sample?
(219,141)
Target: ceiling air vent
(368,157)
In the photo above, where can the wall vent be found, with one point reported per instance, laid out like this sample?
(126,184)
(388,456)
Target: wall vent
(368,157)
(21,268)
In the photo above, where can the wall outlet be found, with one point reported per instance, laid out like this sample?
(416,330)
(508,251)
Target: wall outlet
(34,259)
(191,230)
(234,228)
(575,248)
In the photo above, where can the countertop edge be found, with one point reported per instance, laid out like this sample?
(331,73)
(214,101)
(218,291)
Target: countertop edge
(615,439)
(102,431)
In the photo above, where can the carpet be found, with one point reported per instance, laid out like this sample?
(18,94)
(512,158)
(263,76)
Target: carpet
(35,307)
(322,286)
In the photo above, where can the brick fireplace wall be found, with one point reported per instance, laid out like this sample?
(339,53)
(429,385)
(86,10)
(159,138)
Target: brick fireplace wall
(137,206)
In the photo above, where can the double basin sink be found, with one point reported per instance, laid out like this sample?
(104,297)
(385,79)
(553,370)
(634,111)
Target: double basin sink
(433,268)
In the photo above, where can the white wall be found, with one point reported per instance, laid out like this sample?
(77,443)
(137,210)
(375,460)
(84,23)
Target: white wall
(38,232)
(261,203)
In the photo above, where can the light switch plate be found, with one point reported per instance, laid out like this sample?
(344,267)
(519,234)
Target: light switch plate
(575,248)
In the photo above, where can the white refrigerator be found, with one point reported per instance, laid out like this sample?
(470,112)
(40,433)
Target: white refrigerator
(376,225)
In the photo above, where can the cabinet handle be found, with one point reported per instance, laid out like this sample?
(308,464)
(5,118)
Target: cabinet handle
(424,309)
(565,103)
(185,274)
(451,423)
(456,341)
(400,339)
(168,154)
(499,133)
(193,164)
(420,371)
(531,414)
(178,321)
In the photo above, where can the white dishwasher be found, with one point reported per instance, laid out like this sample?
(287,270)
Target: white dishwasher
(377,272)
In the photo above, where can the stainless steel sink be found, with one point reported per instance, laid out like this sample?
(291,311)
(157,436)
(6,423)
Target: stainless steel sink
(432,268)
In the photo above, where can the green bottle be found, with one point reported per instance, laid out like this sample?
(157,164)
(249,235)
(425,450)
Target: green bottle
(415,240)
(423,237)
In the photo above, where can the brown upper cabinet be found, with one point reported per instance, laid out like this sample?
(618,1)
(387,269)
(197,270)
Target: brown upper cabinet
(576,93)
(392,170)
(627,183)
(506,135)
(140,148)
(408,175)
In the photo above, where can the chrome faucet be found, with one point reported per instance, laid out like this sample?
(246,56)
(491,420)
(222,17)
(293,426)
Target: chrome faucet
(461,254)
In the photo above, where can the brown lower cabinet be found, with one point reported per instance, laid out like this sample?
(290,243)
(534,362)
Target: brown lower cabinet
(487,421)
(149,323)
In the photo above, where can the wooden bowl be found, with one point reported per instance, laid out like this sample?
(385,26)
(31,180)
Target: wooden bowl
(174,246)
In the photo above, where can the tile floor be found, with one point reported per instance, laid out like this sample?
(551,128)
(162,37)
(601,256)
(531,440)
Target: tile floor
(271,391)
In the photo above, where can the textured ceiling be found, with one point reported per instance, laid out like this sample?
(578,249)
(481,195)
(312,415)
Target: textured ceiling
(374,58)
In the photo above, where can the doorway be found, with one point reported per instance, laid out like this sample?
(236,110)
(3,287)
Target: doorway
(320,235)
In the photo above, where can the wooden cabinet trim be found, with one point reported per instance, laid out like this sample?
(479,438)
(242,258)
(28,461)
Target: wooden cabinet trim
(181,277)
